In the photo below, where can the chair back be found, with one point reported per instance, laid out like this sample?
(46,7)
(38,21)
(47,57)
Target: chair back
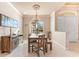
(49,35)
(42,40)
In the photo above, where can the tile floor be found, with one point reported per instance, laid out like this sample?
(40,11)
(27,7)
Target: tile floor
(21,51)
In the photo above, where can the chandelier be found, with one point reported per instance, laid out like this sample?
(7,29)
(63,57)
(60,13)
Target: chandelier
(36,8)
(34,23)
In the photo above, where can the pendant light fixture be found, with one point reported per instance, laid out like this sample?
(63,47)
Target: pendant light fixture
(36,8)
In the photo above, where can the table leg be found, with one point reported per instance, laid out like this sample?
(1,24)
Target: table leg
(51,46)
(29,45)
(38,49)
(46,45)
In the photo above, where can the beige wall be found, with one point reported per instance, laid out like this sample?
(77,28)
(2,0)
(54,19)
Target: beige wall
(28,18)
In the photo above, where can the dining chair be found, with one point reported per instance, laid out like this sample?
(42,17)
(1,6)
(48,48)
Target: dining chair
(40,45)
(49,42)
(43,41)
(31,43)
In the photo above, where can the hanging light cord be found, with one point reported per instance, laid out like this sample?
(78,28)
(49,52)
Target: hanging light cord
(36,15)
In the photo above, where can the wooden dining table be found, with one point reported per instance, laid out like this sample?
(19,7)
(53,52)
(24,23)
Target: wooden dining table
(34,38)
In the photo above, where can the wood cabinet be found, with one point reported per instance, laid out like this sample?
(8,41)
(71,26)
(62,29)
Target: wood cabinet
(5,44)
(8,44)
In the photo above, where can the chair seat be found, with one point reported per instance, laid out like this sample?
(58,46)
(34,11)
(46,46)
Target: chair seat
(36,44)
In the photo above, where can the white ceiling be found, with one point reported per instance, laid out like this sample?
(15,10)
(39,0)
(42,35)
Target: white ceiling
(45,7)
